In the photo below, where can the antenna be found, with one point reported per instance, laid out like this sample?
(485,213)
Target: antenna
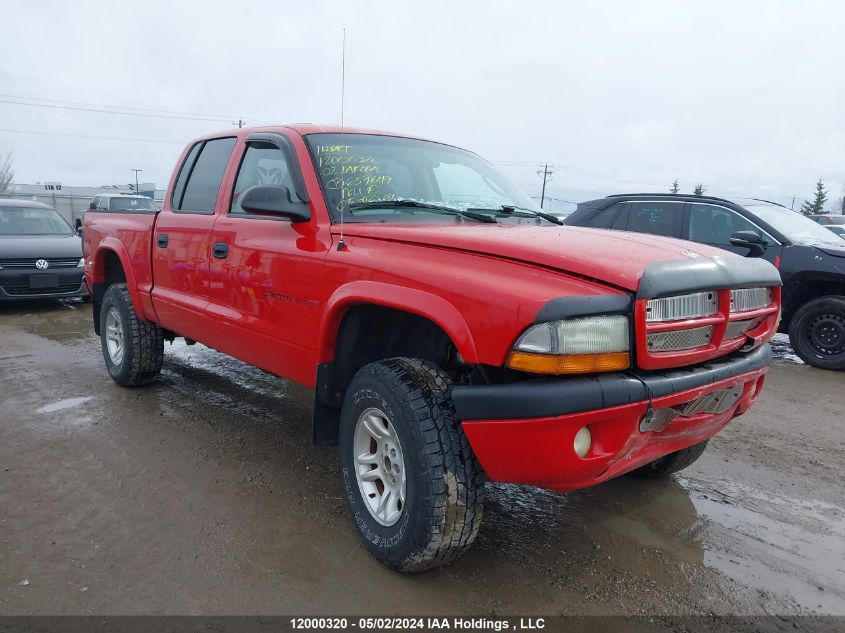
(341,245)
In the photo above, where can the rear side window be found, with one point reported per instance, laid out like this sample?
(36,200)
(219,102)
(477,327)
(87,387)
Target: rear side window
(204,179)
(657,218)
(604,218)
(179,187)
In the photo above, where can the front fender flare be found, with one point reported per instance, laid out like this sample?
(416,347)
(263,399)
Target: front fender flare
(419,302)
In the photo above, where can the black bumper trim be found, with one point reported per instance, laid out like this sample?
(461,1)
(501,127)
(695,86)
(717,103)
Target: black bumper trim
(663,279)
(549,397)
(48,293)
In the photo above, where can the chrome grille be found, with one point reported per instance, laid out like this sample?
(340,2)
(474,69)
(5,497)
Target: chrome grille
(699,304)
(679,339)
(64,262)
(736,329)
(746,299)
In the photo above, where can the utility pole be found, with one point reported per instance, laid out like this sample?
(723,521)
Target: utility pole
(240,122)
(136,178)
(545,173)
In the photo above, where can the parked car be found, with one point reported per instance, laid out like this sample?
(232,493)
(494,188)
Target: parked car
(116,202)
(828,219)
(810,258)
(834,223)
(40,254)
(837,229)
(450,330)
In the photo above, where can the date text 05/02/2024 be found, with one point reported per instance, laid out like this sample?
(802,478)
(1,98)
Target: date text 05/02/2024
(424,624)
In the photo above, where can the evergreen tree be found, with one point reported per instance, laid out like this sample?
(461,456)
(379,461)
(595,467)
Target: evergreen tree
(675,187)
(817,205)
(699,190)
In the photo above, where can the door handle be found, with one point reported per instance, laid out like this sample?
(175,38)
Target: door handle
(161,240)
(220,250)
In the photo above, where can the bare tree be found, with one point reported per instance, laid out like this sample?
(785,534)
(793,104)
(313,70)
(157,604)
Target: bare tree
(6,171)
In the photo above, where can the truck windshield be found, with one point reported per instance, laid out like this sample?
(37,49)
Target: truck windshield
(32,221)
(357,171)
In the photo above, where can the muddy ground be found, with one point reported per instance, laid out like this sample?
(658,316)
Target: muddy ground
(202,494)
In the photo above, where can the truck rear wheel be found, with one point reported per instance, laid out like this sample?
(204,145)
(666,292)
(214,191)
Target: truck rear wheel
(817,332)
(671,463)
(133,349)
(410,477)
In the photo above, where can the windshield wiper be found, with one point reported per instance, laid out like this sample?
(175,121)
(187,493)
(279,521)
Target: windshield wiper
(510,208)
(428,206)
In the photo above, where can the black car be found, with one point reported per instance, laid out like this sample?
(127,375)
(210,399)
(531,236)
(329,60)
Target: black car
(40,254)
(810,258)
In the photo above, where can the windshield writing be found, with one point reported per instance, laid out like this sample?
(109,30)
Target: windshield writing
(359,170)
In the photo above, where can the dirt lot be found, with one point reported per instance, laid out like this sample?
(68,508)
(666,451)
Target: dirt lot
(203,495)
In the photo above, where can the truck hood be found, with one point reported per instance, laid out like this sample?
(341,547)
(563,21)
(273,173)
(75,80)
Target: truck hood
(613,257)
(24,246)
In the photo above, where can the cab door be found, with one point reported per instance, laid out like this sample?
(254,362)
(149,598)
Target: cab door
(181,248)
(264,296)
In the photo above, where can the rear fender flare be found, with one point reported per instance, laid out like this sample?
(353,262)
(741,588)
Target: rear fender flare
(111,244)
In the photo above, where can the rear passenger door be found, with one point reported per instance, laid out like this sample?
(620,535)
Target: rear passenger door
(182,239)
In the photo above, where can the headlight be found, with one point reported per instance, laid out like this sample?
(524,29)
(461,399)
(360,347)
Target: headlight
(574,346)
(81,262)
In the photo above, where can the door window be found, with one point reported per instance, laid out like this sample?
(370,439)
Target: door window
(263,164)
(715,225)
(657,218)
(203,181)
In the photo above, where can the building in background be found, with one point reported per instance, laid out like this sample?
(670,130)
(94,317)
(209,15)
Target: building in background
(69,199)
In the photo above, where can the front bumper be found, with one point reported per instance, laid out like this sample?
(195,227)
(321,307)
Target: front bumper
(64,283)
(523,432)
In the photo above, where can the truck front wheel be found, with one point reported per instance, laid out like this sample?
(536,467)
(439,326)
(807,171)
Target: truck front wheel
(817,332)
(409,474)
(132,348)
(671,463)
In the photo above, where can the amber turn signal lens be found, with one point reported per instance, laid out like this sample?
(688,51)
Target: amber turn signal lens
(568,364)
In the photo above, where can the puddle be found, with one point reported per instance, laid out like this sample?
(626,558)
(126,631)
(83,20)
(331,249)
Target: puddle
(791,547)
(61,405)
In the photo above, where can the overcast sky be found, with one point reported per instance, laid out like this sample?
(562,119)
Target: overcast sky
(745,97)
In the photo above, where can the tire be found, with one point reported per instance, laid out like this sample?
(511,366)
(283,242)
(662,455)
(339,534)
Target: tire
(817,332)
(141,342)
(671,463)
(442,508)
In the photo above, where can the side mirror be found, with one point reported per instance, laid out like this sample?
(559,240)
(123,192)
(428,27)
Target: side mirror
(79,231)
(751,241)
(274,200)
(92,206)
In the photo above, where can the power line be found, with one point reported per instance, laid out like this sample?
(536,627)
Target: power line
(119,110)
(100,105)
(126,113)
(97,138)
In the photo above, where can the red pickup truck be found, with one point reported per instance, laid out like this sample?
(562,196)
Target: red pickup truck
(453,333)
